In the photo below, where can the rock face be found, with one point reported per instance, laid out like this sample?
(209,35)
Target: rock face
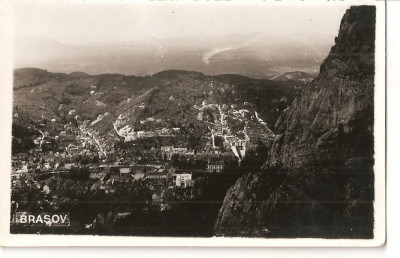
(318,179)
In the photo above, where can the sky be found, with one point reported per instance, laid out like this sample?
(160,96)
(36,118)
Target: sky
(89,23)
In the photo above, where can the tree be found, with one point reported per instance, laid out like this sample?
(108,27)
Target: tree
(261,149)
(175,159)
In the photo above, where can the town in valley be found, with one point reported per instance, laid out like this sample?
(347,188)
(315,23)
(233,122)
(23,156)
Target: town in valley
(110,162)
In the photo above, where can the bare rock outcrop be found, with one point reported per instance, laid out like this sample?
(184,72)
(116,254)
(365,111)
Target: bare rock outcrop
(318,179)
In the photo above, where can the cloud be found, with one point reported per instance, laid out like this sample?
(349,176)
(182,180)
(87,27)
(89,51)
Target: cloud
(212,52)
(298,39)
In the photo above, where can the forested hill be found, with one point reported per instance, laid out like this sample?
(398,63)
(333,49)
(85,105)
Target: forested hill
(170,95)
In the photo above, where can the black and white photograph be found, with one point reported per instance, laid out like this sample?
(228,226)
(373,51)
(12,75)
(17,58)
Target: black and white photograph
(200,121)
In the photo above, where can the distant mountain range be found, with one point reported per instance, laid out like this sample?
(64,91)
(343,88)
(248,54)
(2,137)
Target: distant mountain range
(255,56)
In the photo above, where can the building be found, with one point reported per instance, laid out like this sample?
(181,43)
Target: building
(168,151)
(215,166)
(124,171)
(166,148)
(46,189)
(168,155)
(176,130)
(154,164)
(23,169)
(158,174)
(183,180)
(97,174)
(138,175)
(179,150)
(164,172)
(165,131)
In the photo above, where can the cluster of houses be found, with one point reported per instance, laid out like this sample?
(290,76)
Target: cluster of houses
(130,135)
(159,171)
(168,151)
(160,178)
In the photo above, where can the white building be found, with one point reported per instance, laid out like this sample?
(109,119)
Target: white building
(46,189)
(183,180)
(179,149)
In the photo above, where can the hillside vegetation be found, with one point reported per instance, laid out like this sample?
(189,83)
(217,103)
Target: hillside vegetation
(168,95)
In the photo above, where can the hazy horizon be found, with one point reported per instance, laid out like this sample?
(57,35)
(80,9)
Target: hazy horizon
(144,38)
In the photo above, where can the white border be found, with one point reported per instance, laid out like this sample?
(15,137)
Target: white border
(6,69)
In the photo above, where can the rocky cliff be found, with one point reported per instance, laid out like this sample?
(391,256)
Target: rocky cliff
(318,180)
